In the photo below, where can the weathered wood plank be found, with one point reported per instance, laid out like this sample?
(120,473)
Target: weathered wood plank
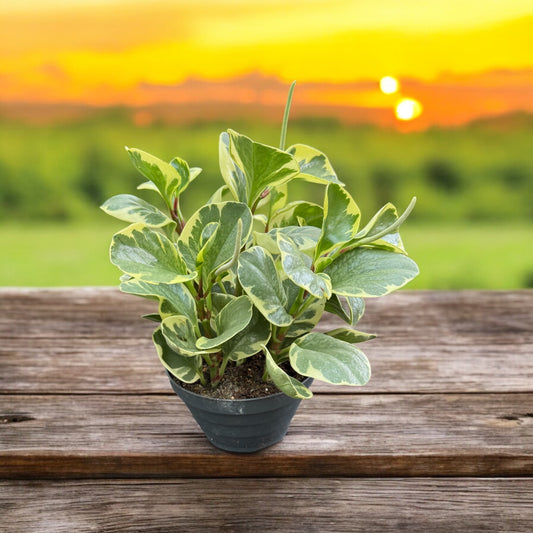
(288,505)
(81,340)
(458,317)
(343,435)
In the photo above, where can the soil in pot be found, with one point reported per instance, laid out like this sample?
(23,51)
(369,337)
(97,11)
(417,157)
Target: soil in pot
(241,382)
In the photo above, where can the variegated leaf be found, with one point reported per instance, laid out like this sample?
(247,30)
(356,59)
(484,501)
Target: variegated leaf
(293,213)
(186,369)
(180,336)
(148,255)
(307,320)
(384,222)
(314,165)
(260,280)
(132,209)
(215,224)
(328,359)
(341,219)
(232,319)
(350,335)
(304,237)
(297,267)
(174,299)
(250,340)
(370,272)
(163,175)
(231,172)
(285,383)
(356,308)
(263,166)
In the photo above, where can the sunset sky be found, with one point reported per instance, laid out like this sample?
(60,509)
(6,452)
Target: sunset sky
(459,59)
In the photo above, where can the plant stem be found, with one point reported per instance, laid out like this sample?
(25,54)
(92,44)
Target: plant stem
(286,117)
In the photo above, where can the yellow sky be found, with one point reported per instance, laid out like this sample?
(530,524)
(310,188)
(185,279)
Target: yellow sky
(59,50)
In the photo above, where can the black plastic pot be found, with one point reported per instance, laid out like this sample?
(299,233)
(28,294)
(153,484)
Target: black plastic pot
(243,426)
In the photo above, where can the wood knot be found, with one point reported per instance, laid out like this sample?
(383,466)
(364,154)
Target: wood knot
(14,418)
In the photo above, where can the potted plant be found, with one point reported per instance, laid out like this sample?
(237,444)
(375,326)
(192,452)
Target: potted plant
(242,283)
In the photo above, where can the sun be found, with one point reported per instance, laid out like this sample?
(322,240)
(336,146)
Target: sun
(408,109)
(389,85)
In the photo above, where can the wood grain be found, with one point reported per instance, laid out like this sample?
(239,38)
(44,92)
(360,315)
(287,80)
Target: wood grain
(331,435)
(82,340)
(288,505)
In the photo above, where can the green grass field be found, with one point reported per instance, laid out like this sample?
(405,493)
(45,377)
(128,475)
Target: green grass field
(460,257)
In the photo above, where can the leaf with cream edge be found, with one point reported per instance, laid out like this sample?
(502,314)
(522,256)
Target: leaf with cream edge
(304,237)
(356,308)
(370,272)
(385,222)
(174,298)
(350,335)
(215,223)
(249,341)
(297,267)
(186,369)
(232,319)
(292,213)
(231,172)
(328,359)
(285,383)
(148,255)
(180,335)
(129,208)
(263,166)
(163,175)
(341,220)
(150,185)
(260,280)
(314,165)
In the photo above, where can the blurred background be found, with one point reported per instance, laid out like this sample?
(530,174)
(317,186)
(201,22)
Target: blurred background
(433,99)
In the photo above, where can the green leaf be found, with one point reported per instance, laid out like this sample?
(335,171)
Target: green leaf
(163,175)
(370,272)
(234,317)
(314,165)
(341,219)
(259,279)
(328,359)
(285,383)
(209,236)
(350,335)
(184,368)
(263,166)
(218,196)
(356,308)
(392,242)
(174,299)
(148,255)
(277,199)
(250,340)
(180,336)
(293,213)
(187,174)
(219,300)
(304,237)
(384,222)
(231,172)
(132,209)
(297,267)
(307,320)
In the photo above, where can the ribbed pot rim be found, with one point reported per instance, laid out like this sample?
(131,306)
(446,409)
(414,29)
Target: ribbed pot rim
(307,380)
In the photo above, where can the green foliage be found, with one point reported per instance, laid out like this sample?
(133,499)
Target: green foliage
(254,274)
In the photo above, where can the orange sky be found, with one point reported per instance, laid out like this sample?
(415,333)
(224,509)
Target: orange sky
(461,60)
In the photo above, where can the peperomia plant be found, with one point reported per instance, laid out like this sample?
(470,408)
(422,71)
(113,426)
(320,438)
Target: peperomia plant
(254,274)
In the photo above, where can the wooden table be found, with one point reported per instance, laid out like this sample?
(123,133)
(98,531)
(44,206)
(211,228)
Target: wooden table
(93,439)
